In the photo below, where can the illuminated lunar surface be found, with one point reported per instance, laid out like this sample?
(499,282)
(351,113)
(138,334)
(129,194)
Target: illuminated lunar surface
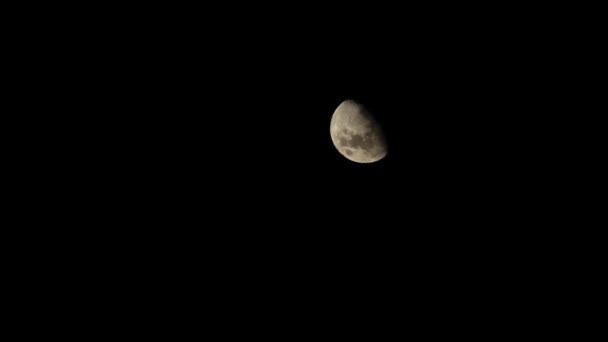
(356,134)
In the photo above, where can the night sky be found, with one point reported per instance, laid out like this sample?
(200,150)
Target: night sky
(246,141)
(218,145)
(265,122)
(202,164)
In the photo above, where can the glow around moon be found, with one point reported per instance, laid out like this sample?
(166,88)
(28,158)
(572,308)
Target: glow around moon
(356,134)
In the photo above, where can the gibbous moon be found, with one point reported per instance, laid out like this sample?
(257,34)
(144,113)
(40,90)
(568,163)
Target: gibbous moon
(356,134)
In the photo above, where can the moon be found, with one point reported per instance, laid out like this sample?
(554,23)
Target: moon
(356,134)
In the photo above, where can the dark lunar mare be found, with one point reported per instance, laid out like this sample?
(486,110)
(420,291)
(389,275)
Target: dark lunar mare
(364,142)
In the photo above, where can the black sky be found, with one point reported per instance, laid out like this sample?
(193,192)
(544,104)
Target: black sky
(213,126)
(197,144)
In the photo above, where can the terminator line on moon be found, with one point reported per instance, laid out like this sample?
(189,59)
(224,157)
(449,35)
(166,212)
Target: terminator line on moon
(356,134)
